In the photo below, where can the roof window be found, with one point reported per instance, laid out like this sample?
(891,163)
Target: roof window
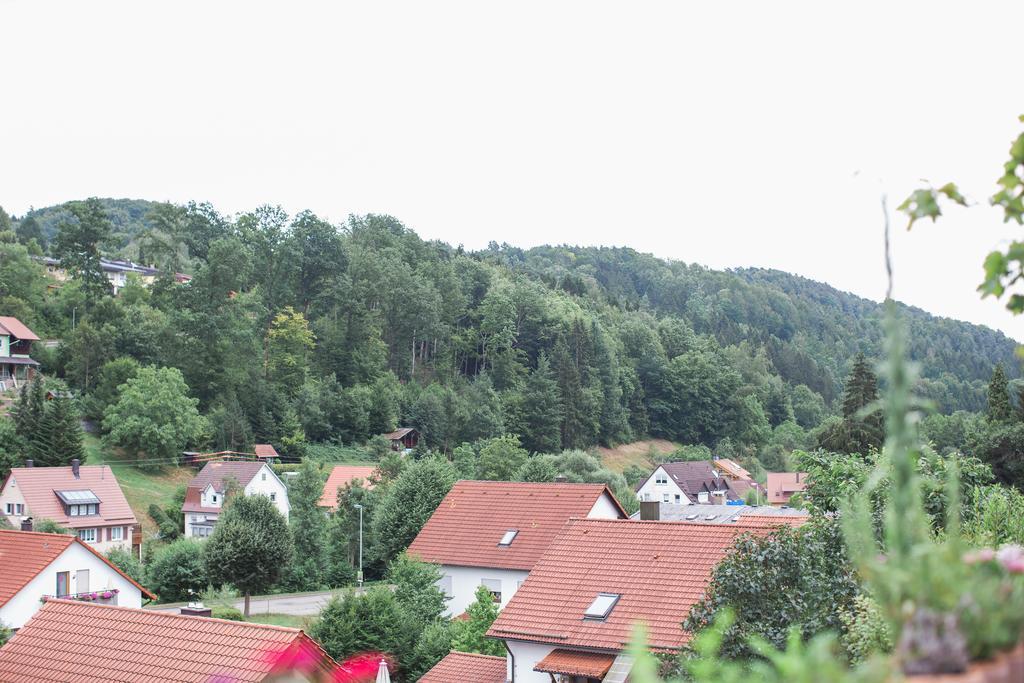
(691,517)
(710,517)
(602,606)
(507,539)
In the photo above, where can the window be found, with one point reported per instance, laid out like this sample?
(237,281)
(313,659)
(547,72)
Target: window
(273,496)
(87,535)
(494,586)
(445,584)
(679,498)
(702,497)
(690,518)
(507,539)
(660,478)
(201,531)
(63,581)
(215,498)
(263,476)
(602,606)
(117,533)
(664,498)
(10,508)
(19,508)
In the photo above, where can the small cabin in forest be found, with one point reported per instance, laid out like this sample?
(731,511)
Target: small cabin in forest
(403,438)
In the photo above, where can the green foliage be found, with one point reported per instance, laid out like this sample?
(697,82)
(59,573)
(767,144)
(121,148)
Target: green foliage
(81,235)
(5,633)
(11,447)
(500,458)
(343,536)
(229,613)
(995,516)
(998,408)
(154,416)
(308,529)
(166,521)
(126,561)
(468,634)
(795,579)
(860,430)
(433,644)
(177,571)
(408,503)
(57,438)
(105,390)
(289,343)
(865,631)
(416,588)
(48,526)
(250,547)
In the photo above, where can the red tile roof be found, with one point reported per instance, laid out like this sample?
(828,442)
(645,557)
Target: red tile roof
(465,667)
(573,663)
(466,527)
(217,472)
(13,326)
(782,485)
(69,641)
(660,569)
(38,486)
(23,554)
(695,476)
(775,520)
(265,450)
(341,475)
(732,468)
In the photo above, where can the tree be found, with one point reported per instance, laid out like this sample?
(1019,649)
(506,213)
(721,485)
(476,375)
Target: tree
(998,408)
(30,408)
(433,644)
(177,571)
(289,342)
(57,439)
(154,415)
(416,588)
(500,458)
(309,529)
(540,416)
(794,578)
(48,526)
(408,503)
(367,622)
(105,390)
(77,245)
(250,547)
(12,448)
(856,432)
(469,635)
(126,561)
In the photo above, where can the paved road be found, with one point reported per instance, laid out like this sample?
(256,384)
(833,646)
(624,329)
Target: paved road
(303,604)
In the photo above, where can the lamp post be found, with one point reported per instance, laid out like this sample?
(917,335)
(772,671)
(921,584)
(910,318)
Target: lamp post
(359,576)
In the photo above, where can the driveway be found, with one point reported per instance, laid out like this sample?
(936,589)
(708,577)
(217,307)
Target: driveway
(297,604)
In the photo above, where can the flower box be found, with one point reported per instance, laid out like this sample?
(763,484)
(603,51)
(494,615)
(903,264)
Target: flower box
(1007,667)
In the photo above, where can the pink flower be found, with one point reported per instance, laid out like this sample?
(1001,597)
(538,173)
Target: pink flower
(1012,558)
(980,555)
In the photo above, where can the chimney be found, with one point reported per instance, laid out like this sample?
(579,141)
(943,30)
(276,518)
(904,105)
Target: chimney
(196,610)
(74,467)
(561,479)
(26,522)
(28,463)
(650,510)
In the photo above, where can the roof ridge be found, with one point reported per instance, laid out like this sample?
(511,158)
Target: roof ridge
(172,615)
(20,533)
(475,654)
(676,522)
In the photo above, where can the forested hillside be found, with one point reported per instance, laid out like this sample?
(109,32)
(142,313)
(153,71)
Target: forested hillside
(294,330)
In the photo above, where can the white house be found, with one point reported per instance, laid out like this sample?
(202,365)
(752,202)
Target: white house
(696,482)
(204,498)
(491,533)
(84,498)
(56,565)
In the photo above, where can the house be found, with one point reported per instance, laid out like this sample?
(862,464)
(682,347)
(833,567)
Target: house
(491,533)
(204,497)
(265,452)
(340,476)
(782,486)
(574,616)
(116,271)
(38,565)
(15,345)
(77,642)
(466,667)
(403,439)
(720,514)
(697,481)
(84,498)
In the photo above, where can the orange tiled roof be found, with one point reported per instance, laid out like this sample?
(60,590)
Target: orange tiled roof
(573,663)
(465,667)
(265,450)
(466,527)
(71,642)
(38,486)
(781,485)
(660,569)
(23,554)
(341,475)
(732,468)
(9,325)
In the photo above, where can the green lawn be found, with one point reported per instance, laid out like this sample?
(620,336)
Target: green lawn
(141,488)
(283,620)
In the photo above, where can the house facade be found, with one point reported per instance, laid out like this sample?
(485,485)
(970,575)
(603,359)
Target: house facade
(55,565)
(204,497)
(15,345)
(403,439)
(574,616)
(783,485)
(84,498)
(491,533)
(696,482)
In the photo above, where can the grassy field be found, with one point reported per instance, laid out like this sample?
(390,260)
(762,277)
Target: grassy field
(140,488)
(303,622)
(644,454)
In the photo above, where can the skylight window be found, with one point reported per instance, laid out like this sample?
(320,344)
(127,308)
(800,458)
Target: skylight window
(710,517)
(509,536)
(602,606)
(691,517)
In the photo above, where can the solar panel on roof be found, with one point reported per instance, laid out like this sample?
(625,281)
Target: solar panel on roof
(602,606)
(78,497)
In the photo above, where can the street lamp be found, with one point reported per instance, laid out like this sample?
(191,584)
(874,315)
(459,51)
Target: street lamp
(359,576)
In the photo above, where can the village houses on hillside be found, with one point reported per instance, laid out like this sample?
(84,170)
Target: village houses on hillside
(15,345)
(204,497)
(84,498)
(492,533)
(698,481)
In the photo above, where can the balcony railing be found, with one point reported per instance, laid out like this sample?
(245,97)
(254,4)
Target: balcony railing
(103,597)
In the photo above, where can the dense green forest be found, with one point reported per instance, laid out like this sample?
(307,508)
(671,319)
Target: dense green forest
(294,330)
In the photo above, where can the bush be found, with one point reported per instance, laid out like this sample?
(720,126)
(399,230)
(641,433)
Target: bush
(371,621)
(123,559)
(229,613)
(867,632)
(177,569)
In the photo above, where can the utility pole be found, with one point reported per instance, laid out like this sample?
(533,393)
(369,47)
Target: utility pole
(359,576)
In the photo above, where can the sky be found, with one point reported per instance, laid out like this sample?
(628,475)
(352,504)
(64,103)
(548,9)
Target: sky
(730,134)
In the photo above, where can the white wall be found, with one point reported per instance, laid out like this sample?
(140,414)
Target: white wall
(604,508)
(266,482)
(12,494)
(466,579)
(656,492)
(524,657)
(16,611)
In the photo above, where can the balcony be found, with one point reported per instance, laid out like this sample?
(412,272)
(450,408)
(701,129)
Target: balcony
(101,597)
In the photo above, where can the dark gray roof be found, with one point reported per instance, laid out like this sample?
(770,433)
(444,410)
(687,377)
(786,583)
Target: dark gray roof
(674,512)
(695,476)
(217,472)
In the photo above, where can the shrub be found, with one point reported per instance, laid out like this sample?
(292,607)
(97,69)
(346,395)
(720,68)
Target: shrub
(229,613)
(176,570)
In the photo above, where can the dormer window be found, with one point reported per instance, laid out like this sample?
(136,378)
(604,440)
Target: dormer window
(602,606)
(79,503)
(507,539)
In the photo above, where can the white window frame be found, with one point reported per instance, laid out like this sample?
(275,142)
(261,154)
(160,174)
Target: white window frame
(679,498)
(664,498)
(273,496)
(84,535)
(10,508)
(494,586)
(661,479)
(445,585)
(116,533)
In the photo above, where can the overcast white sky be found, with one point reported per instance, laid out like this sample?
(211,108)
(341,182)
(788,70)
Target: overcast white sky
(725,133)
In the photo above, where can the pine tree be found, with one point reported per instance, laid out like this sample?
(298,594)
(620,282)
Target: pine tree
(861,387)
(570,393)
(57,439)
(30,408)
(999,409)
(541,410)
(856,433)
(309,529)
